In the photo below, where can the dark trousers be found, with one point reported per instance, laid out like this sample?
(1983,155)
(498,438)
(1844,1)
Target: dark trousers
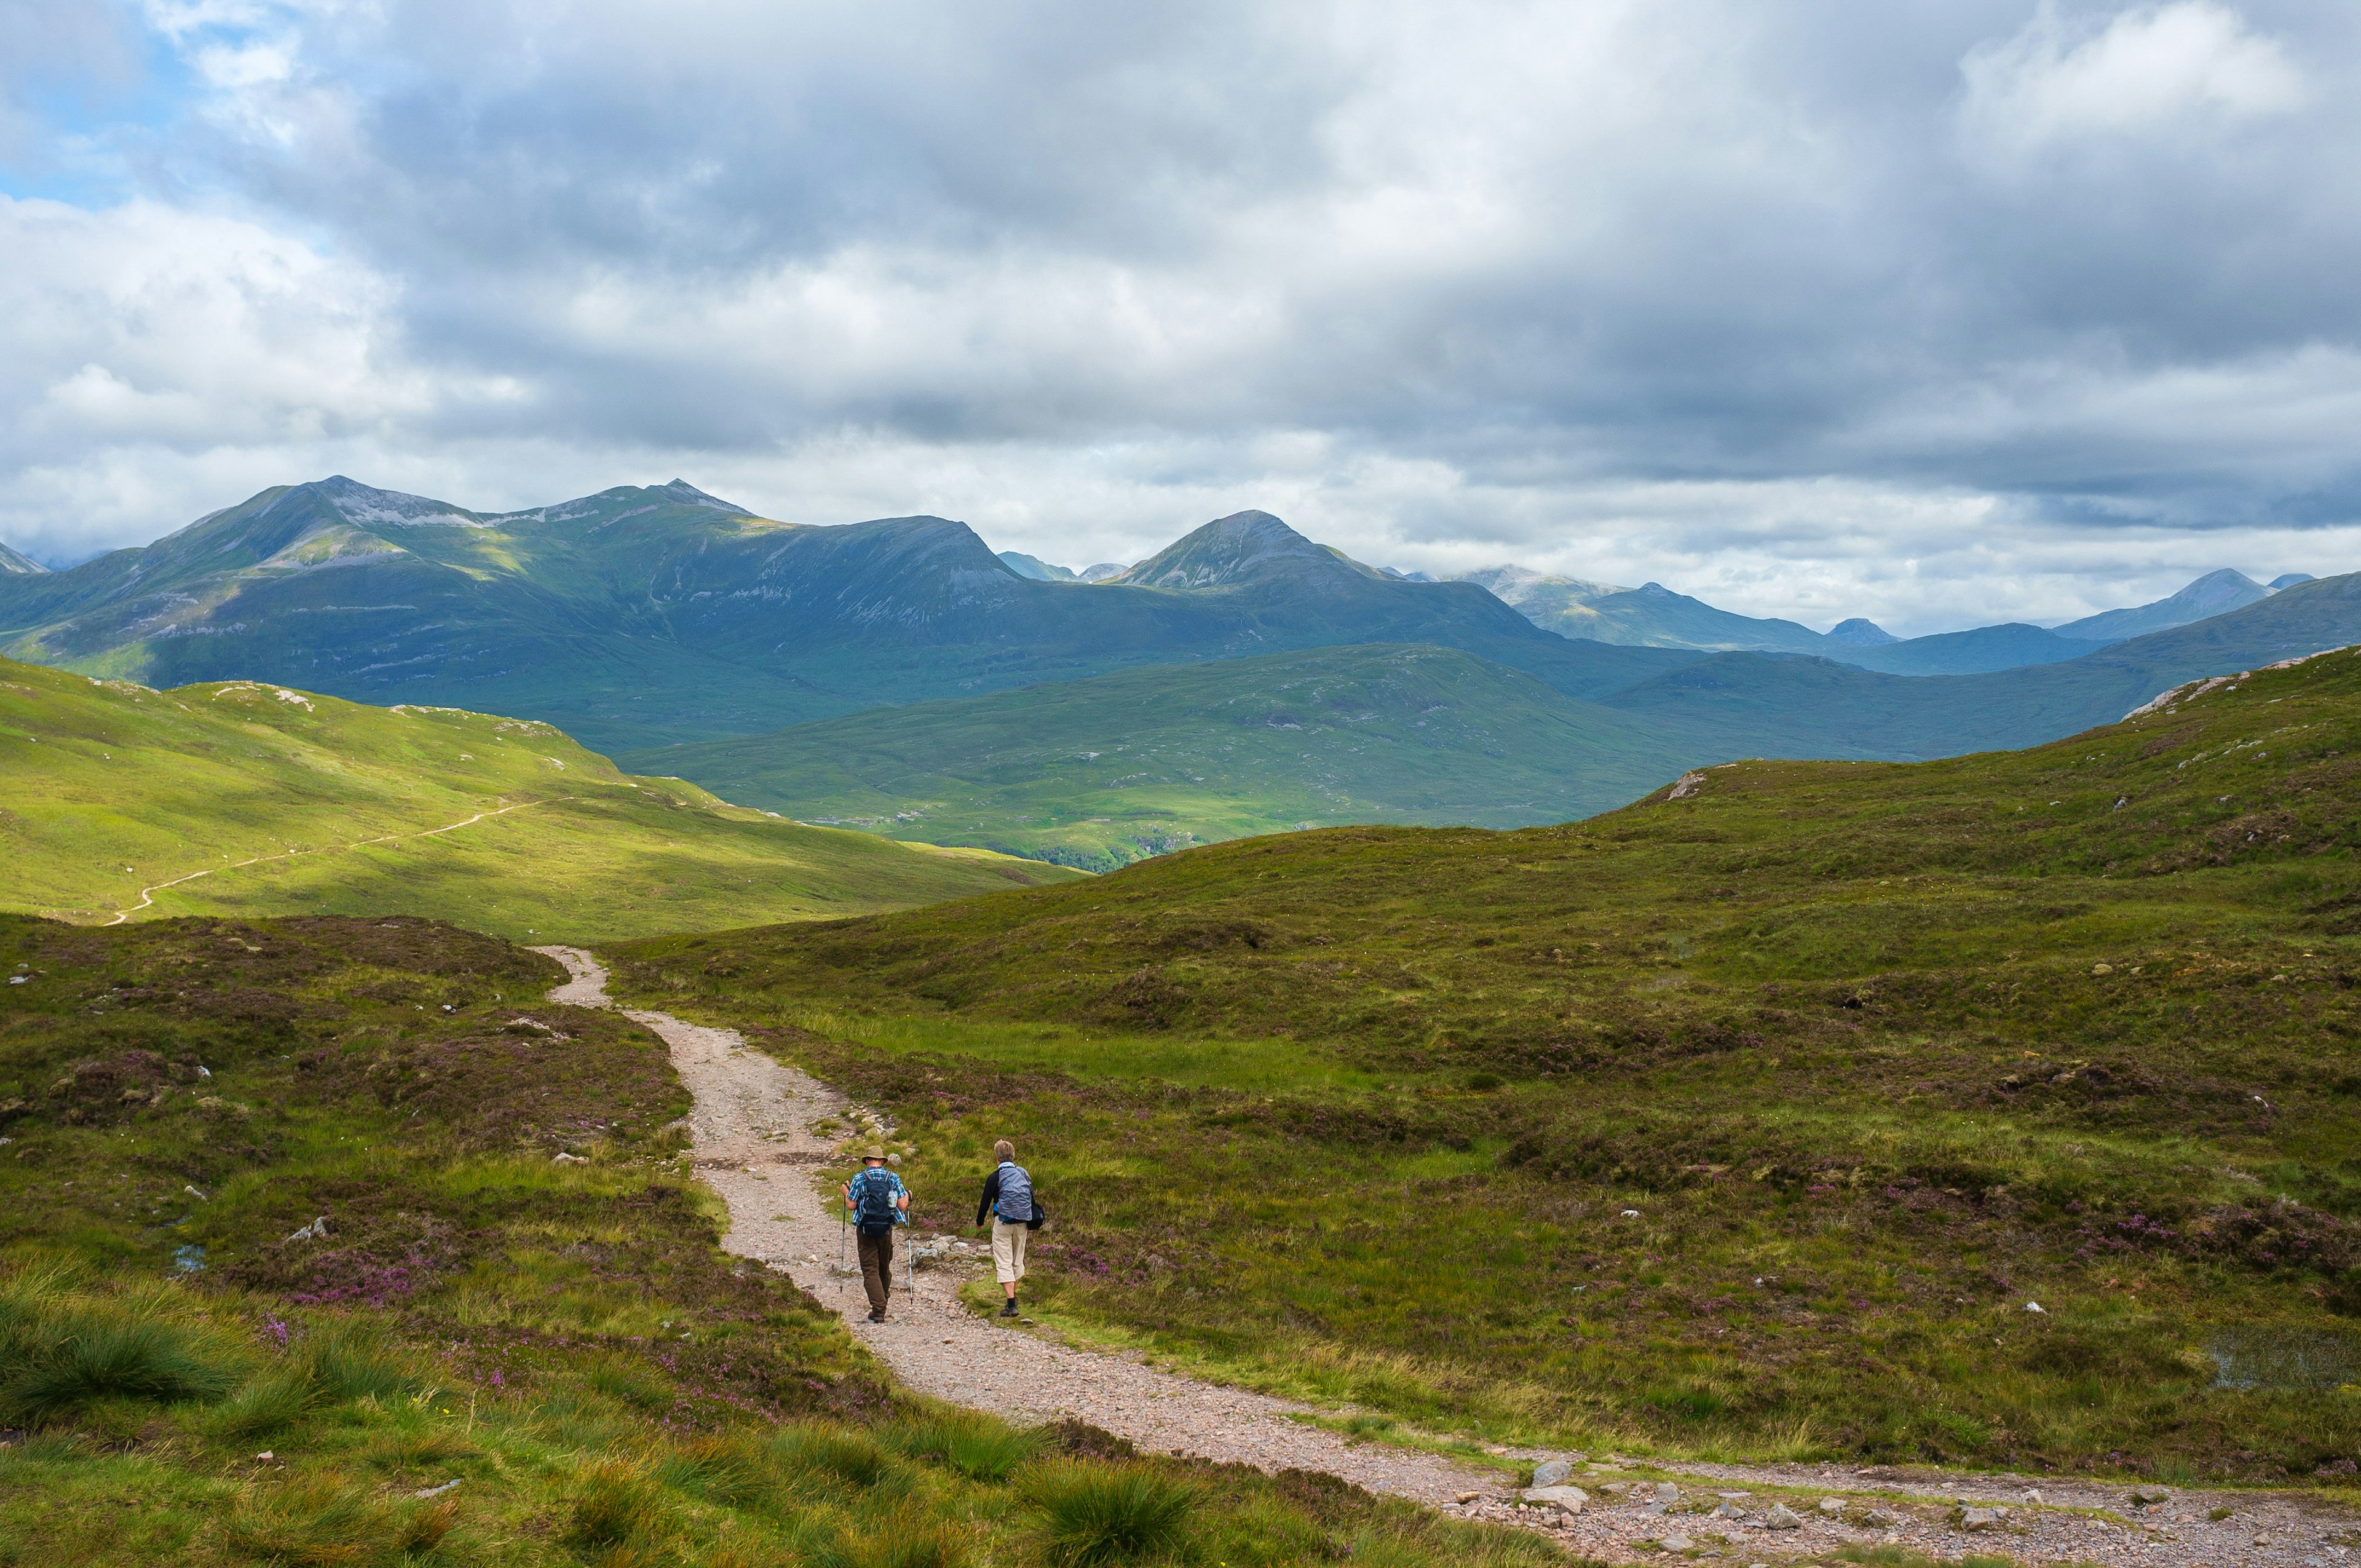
(877,1268)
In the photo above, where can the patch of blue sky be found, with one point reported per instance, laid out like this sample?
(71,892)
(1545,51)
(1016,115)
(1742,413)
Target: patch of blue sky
(99,136)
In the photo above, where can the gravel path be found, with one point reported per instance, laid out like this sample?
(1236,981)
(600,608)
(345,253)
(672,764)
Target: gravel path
(753,1141)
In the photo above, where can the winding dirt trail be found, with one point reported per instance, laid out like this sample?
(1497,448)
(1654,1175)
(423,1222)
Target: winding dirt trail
(147,895)
(753,1143)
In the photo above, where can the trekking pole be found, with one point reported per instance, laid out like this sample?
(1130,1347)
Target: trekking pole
(843,1226)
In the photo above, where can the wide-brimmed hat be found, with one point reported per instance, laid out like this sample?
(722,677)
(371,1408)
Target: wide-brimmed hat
(874,1151)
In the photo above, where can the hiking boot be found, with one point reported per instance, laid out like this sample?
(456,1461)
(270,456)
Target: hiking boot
(876,1317)
(1008,1308)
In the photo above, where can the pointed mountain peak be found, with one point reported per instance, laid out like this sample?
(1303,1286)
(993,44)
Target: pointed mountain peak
(1238,548)
(682,490)
(14,564)
(1860,632)
(366,506)
(2213,594)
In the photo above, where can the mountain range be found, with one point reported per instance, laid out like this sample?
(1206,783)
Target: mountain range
(899,674)
(643,616)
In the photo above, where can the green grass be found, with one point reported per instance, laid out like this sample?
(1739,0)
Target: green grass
(1101,773)
(272,801)
(489,1356)
(1744,1123)
(1091,1515)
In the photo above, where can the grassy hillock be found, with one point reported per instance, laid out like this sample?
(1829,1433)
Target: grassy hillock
(293,1271)
(1101,773)
(260,800)
(1750,1118)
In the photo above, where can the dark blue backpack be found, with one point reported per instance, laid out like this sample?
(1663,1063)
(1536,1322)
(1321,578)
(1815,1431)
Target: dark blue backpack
(874,1191)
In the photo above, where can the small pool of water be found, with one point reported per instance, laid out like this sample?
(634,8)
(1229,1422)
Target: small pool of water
(189,1259)
(2267,1357)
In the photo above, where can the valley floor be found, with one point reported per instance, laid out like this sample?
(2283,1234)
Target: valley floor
(755,1144)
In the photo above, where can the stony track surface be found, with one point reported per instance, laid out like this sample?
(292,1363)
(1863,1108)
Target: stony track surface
(753,1141)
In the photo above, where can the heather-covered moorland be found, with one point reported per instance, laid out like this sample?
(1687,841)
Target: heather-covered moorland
(328,1241)
(1993,1110)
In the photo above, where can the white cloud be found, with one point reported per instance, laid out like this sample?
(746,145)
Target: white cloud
(2149,68)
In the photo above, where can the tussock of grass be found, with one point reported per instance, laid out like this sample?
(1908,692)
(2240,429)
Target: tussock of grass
(831,1454)
(1093,1514)
(64,1350)
(613,1503)
(327,1521)
(901,1537)
(974,1444)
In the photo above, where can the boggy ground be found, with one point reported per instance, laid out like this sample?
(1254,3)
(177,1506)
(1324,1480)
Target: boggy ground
(1752,1121)
(329,1240)
(772,1140)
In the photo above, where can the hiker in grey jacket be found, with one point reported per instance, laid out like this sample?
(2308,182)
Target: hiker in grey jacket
(1008,1199)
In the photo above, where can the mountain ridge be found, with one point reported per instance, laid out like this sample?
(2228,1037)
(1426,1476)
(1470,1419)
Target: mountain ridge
(644,616)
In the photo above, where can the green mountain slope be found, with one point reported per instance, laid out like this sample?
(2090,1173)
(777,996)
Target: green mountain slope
(638,617)
(1748,1118)
(256,800)
(1098,772)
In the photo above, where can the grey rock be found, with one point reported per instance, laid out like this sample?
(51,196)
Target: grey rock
(1832,1505)
(1882,1517)
(1552,1472)
(1979,1519)
(1667,1492)
(1677,1544)
(1782,1517)
(1566,1499)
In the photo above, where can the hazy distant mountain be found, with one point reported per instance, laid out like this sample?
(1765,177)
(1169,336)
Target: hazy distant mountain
(1103,572)
(1033,566)
(1860,632)
(2215,593)
(2289,579)
(1735,705)
(1968,652)
(14,565)
(1652,616)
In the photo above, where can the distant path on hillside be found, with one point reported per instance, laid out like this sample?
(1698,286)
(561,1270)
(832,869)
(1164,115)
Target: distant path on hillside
(147,895)
(753,1143)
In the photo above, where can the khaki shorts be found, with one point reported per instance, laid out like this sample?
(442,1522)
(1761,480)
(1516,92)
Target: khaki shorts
(1008,1250)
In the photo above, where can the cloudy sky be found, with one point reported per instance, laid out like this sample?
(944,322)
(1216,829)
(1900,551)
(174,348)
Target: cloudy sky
(1936,310)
